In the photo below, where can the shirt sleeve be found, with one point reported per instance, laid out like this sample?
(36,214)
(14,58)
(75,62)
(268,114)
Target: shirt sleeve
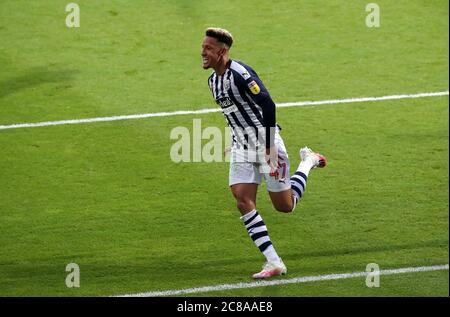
(255,88)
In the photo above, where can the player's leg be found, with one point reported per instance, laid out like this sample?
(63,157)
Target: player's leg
(283,201)
(244,180)
(278,184)
(284,193)
(309,161)
(245,195)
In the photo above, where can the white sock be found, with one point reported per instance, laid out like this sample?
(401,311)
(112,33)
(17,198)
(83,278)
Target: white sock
(305,166)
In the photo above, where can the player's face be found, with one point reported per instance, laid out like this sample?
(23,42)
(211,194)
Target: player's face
(212,51)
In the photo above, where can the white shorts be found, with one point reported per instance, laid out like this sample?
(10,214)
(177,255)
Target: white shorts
(249,168)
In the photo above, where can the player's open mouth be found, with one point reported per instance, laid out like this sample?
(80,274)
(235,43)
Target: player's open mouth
(205,60)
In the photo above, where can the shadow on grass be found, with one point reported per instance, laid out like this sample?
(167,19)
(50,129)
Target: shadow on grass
(217,263)
(34,77)
(163,273)
(368,249)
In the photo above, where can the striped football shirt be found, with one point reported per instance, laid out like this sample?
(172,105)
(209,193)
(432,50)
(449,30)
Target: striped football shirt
(241,95)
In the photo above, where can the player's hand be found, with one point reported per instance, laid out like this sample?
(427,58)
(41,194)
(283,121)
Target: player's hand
(272,159)
(226,151)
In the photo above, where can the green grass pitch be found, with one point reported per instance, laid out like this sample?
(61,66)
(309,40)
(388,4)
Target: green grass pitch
(107,196)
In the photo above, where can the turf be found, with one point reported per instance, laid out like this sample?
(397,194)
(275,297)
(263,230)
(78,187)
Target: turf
(405,285)
(107,196)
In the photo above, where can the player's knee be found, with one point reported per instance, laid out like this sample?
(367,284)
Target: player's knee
(245,205)
(286,208)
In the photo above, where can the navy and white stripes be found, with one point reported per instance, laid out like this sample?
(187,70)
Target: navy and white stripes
(298,185)
(243,115)
(257,230)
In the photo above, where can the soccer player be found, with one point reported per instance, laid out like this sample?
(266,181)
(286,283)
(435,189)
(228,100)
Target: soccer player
(257,148)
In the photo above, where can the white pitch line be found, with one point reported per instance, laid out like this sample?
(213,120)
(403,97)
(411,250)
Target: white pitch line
(209,110)
(363,99)
(296,280)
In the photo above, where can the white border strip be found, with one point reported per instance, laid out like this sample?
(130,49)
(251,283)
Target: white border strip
(202,111)
(296,280)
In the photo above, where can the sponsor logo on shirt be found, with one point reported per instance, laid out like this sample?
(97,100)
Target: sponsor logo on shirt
(227,105)
(246,75)
(229,110)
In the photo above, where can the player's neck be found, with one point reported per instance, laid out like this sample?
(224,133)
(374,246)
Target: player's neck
(222,67)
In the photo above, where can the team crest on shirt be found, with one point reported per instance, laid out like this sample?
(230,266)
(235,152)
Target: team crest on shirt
(226,84)
(254,88)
